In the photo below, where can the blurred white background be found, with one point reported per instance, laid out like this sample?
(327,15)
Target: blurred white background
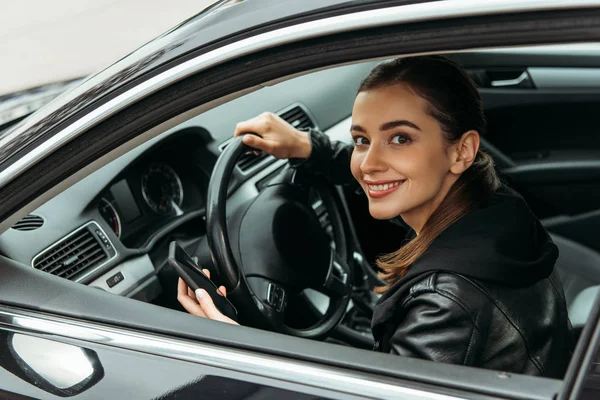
(44,41)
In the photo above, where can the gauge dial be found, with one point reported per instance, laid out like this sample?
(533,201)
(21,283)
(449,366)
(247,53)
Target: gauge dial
(110,215)
(162,189)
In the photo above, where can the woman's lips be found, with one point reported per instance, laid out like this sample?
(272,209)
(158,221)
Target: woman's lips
(378,189)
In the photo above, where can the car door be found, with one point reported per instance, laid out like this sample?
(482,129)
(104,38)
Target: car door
(35,303)
(39,363)
(52,357)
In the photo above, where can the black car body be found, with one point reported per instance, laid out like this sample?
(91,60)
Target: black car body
(77,176)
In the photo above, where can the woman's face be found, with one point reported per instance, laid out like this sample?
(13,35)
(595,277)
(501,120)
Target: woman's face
(400,158)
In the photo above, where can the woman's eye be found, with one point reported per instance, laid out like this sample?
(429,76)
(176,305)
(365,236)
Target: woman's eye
(359,140)
(400,139)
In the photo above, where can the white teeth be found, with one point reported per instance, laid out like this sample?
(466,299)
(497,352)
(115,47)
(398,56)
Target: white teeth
(384,186)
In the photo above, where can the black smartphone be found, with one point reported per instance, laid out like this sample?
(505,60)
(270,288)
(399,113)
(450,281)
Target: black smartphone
(193,276)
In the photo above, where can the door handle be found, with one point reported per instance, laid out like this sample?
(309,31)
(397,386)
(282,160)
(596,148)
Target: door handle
(522,80)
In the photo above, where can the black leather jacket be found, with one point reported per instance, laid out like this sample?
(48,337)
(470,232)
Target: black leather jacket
(484,294)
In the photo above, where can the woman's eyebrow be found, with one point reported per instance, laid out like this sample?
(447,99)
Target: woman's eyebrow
(358,128)
(387,126)
(395,124)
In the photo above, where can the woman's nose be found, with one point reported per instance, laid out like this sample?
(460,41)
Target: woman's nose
(373,161)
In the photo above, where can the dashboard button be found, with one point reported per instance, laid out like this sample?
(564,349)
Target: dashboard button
(276,296)
(113,280)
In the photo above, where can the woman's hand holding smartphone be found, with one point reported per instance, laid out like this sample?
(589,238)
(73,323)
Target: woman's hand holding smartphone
(195,288)
(200,303)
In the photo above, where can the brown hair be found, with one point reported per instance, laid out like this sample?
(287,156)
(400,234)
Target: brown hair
(453,100)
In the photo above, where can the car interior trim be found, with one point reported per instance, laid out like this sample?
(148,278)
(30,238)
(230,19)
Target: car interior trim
(133,272)
(89,271)
(553,166)
(168,228)
(327,26)
(116,215)
(565,78)
(216,356)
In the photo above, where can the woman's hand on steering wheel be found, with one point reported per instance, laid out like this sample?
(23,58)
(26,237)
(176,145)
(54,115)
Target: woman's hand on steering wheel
(200,303)
(274,136)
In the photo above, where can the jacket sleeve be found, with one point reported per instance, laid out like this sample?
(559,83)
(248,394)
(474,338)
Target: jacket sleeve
(437,327)
(330,159)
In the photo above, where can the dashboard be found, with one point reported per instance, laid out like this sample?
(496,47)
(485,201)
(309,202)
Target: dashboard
(167,182)
(111,229)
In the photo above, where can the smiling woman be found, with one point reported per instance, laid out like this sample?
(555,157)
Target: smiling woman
(475,250)
(432,117)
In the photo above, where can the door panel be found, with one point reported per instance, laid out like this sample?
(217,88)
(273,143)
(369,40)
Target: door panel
(529,132)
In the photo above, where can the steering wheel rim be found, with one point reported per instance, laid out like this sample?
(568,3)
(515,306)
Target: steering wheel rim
(243,290)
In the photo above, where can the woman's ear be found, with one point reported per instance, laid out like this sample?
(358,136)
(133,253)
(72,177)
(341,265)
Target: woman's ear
(465,151)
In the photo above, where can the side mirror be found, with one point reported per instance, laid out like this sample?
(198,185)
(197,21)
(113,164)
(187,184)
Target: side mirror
(58,368)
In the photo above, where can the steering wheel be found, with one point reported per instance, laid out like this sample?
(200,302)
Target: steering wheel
(273,247)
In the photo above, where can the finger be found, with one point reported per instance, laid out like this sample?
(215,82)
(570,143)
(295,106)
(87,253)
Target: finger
(254,125)
(209,307)
(183,289)
(206,272)
(258,143)
(189,303)
(191,294)
(222,291)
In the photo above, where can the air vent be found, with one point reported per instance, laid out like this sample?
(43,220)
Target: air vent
(79,251)
(29,223)
(249,160)
(298,118)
